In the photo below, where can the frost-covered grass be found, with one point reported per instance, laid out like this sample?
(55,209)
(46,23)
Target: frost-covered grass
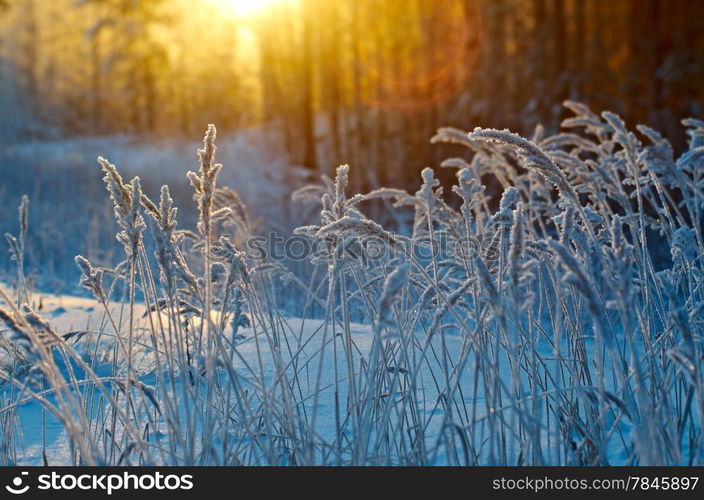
(564,327)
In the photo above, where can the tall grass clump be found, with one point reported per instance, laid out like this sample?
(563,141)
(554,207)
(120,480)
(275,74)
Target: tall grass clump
(563,326)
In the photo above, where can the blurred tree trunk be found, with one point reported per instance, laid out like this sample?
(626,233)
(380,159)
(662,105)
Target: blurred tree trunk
(29,43)
(559,44)
(580,66)
(332,75)
(96,81)
(360,135)
(309,159)
(149,85)
(539,42)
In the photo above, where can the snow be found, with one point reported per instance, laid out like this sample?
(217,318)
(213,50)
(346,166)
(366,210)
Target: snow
(253,166)
(70,314)
(253,360)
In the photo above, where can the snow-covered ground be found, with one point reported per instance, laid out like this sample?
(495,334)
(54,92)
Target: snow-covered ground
(39,432)
(254,165)
(35,427)
(307,341)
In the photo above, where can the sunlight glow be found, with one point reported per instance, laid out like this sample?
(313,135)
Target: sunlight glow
(250,8)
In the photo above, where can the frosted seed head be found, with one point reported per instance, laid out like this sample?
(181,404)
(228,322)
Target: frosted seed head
(509,198)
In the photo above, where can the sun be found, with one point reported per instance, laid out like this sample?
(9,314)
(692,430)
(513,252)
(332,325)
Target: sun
(250,8)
